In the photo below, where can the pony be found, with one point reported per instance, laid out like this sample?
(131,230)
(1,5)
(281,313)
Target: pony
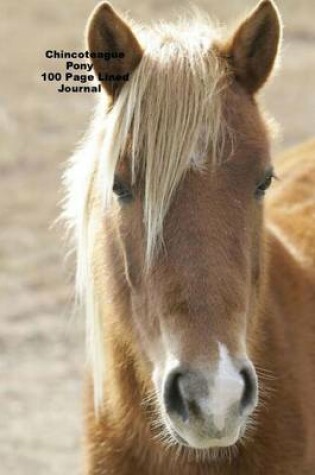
(198,291)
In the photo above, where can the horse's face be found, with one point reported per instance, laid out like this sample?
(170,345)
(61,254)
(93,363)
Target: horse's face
(191,312)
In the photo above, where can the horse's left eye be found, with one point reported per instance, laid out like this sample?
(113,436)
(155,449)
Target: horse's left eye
(122,191)
(264,184)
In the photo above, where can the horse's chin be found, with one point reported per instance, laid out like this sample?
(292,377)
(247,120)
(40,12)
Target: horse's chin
(195,441)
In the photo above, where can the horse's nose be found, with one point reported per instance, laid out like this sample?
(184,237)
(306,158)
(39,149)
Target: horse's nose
(250,391)
(217,401)
(175,398)
(187,392)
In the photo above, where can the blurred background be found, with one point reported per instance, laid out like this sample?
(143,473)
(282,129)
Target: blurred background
(41,342)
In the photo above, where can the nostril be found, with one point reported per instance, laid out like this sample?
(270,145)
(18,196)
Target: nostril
(250,389)
(173,397)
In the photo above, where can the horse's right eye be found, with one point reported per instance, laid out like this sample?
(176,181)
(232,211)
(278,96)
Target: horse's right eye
(265,183)
(122,191)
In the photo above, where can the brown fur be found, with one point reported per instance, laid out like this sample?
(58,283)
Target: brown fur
(226,268)
(253,47)
(283,346)
(103,28)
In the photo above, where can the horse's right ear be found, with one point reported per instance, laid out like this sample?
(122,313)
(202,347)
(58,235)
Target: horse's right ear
(252,49)
(108,32)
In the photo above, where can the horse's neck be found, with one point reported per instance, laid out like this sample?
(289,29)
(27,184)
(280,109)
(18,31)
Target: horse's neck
(284,314)
(284,353)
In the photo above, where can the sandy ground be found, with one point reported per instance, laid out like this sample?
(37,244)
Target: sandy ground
(41,343)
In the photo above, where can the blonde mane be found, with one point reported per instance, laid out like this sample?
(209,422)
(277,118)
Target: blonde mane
(170,113)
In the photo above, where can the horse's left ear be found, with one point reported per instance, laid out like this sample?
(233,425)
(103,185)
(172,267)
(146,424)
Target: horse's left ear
(108,32)
(253,48)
